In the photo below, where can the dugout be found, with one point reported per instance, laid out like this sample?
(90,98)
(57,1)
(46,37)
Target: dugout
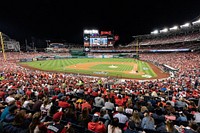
(169,68)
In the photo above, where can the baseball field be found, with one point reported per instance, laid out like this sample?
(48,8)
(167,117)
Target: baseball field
(112,67)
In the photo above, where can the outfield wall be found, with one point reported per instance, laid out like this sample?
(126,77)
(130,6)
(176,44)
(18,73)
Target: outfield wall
(63,57)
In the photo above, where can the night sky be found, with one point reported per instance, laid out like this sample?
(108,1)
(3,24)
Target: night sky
(65,20)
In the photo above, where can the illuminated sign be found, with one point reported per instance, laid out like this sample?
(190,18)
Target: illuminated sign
(91,32)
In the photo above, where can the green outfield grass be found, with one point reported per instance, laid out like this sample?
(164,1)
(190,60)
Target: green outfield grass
(118,67)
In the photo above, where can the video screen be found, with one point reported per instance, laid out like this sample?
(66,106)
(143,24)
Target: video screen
(95,41)
(98,41)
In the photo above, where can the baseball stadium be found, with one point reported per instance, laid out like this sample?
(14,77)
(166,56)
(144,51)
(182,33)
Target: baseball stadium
(150,85)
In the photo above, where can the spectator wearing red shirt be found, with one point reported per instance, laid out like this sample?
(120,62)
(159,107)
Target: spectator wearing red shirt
(2,95)
(119,101)
(28,92)
(96,126)
(95,93)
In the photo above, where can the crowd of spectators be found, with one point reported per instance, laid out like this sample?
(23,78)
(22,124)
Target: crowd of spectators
(170,39)
(33,101)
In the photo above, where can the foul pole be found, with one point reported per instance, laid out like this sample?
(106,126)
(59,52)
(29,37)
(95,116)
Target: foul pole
(2,46)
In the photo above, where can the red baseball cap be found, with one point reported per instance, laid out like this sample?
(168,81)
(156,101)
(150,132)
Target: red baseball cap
(54,97)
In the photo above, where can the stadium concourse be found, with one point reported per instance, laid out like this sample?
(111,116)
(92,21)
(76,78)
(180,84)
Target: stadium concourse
(35,101)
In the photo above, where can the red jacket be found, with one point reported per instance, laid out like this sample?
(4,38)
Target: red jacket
(97,127)
(86,105)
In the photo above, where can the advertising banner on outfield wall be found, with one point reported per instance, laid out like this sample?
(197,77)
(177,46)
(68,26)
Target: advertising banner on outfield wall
(29,59)
(22,60)
(41,59)
(34,59)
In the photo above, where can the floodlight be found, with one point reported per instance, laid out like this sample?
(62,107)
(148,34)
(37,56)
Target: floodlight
(185,25)
(164,30)
(174,28)
(155,32)
(196,22)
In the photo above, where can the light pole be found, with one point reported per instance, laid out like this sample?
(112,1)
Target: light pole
(2,46)
(47,43)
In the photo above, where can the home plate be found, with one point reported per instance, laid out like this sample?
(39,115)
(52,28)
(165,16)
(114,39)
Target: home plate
(132,72)
(146,76)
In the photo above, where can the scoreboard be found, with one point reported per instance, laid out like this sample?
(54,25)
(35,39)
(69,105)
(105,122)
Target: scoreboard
(92,38)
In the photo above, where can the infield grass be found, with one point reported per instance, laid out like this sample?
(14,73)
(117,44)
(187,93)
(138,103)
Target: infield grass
(117,67)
